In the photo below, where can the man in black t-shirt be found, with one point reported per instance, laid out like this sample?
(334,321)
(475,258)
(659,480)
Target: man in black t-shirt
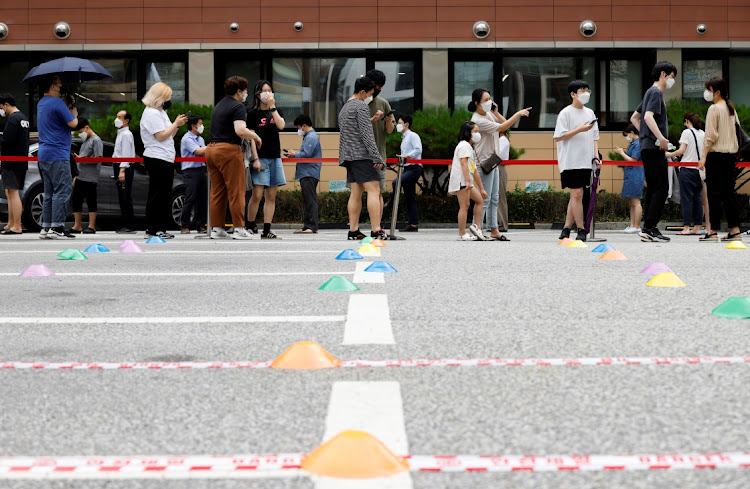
(15,142)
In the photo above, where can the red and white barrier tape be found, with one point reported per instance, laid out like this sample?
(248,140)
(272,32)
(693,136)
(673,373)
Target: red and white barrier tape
(486,362)
(164,466)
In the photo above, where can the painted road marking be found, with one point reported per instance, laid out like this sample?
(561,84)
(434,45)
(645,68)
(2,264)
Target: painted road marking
(373,407)
(193,252)
(368,321)
(172,320)
(207,274)
(362,277)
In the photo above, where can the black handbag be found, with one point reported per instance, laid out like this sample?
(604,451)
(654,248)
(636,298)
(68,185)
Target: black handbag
(743,141)
(490,164)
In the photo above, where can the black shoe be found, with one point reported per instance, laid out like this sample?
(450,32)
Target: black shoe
(647,235)
(382,235)
(356,235)
(60,233)
(565,233)
(164,235)
(125,231)
(658,236)
(73,231)
(268,235)
(581,236)
(411,228)
(89,231)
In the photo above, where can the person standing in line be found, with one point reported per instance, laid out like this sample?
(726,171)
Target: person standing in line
(194,176)
(225,159)
(411,149)
(14,142)
(577,138)
(157,133)
(307,173)
(691,184)
(491,124)
(464,182)
(84,185)
(124,173)
(651,119)
(632,182)
(268,175)
(359,154)
(381,116)
(54,122)
(718,158)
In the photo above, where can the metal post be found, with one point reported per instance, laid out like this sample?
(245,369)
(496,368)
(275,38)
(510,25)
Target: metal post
(396,197)
(593,237)
(209,229)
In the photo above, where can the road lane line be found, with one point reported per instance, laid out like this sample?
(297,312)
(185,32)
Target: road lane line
(205,274)
(368,321)
(362,277)
(171,320)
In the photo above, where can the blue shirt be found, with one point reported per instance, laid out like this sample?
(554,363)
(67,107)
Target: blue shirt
(411,145)
(634,150)
(190,142)
(52,117)
(310,149)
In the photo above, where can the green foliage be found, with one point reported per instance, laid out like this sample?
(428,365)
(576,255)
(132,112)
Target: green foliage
(615,156)
(676,110)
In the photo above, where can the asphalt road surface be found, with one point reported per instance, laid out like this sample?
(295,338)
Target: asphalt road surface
(197,300)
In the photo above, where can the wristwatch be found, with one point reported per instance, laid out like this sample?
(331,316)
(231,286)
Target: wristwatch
(272,109)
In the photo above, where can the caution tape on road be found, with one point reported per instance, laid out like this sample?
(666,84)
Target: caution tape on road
(487,362)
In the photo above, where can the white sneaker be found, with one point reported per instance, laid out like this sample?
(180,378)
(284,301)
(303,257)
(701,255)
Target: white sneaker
(631,230)
(474,229)
(43,234)
(242,233)
(220,234)
(467,237)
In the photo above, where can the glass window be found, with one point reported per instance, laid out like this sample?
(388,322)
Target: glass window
(11,75)
(625,88)
(172,73)
(399,84)
(468,76)
(542,83)
(317,87)
(739,80)
(122,87)
(246,69)
(695,73)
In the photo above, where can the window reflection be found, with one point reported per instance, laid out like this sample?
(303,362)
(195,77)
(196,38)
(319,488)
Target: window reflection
(468,76)
(122,87)
(399,85)
(172,73)
(695,74)
(625,88)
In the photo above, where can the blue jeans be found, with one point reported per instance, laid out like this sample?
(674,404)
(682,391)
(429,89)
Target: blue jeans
(491,184)
(58,187)
(409,179)
(691,201)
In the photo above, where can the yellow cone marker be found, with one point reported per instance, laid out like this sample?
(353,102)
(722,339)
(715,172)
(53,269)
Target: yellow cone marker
(367,248)
(564,242)
(305,355)
(613,255)
(577,244)
(354,455)
(379,243)
(666,279)
(736,245)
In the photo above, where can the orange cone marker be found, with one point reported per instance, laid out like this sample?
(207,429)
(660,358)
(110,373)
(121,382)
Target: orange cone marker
(354,455)
(613,255)
(305,355)
(378,243)
(564,242)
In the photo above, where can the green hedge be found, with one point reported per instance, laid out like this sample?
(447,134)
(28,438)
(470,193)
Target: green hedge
(547,206)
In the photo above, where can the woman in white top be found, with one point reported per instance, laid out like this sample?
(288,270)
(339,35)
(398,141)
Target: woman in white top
(491,124)
(693,199)
(157,133)
(465,183)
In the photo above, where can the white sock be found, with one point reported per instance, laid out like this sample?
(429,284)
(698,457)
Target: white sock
(218,230)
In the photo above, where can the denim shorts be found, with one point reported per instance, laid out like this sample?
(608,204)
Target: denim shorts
(271,175)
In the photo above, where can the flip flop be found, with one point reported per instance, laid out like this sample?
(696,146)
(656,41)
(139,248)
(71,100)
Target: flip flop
(9,231)
(304,231)
(685,233)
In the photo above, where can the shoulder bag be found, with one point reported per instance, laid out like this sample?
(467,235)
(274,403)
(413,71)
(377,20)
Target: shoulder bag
(490,164)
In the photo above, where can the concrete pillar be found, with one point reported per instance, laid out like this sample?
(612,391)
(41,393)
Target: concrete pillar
(435,77)
(674,56)
(201,77)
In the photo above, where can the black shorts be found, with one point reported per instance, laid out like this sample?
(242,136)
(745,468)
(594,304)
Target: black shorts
(579,178)
(81,191)
(13,179)
(361,171)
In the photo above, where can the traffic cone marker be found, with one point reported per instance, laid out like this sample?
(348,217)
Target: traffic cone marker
(71,254)
(666,279)
(564,242)
(127,242)
(354,455)
(577,244)
(368,248)
(381,267)
(349,254)
(379,243)
(155,239)
(366,240)
(603,248)
(37,271)
(131,248)
(656,267)
(305,355)
(613,255)
(338,284)
(96,248)
(736,245)
(733,308)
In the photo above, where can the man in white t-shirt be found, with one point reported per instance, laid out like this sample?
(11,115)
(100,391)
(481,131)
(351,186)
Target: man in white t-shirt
(577,138)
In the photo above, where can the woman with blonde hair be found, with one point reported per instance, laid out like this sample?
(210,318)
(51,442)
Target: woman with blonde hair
(157,133)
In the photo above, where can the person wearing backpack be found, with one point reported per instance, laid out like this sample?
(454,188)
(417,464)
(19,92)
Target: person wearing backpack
(691,185)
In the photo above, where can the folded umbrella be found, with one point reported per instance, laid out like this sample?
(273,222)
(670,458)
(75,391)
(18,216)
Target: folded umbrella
(71,70)
(592,201)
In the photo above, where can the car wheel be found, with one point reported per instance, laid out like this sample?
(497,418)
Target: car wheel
(178,201)
(31,218)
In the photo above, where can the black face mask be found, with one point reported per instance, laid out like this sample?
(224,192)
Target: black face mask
(375,93)
(167,105)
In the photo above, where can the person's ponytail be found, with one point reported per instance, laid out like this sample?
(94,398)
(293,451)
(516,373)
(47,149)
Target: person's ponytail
(472,106)
(476,98)
(731,106)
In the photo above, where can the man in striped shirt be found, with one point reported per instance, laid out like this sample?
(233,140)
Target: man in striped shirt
(359,154)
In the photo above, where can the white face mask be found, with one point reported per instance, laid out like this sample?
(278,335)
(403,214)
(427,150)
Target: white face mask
(244,97)
(300,132)
(199,129)
(487,106)
(368,100)
(264,97)
(476,137)
(708,96)
(83,135)
(584,97)
(628,139)
(118,123)
(399,128)
(670,83)
(2,112)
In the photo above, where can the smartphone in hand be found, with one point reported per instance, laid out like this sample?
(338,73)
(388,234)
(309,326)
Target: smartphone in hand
(594,121)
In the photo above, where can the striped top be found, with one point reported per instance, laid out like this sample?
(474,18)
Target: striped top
(720,129)
(356,141)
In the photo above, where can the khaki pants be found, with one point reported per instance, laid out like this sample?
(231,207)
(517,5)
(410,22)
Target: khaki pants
(502,201)
(226,169)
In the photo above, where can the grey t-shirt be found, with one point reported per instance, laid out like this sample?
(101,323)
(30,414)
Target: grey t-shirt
(653,101)
(91,148)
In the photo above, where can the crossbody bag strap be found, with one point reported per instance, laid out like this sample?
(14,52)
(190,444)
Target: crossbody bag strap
(697,149)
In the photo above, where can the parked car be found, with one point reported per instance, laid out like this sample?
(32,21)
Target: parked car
(32,194)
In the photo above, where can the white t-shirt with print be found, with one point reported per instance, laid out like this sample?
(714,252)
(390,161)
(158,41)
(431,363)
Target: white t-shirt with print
(154,121)
(463,150)
(691,154)
(577,152)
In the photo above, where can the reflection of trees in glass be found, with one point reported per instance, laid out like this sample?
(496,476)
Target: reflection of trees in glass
(468,76)
(171,73)
(122,87)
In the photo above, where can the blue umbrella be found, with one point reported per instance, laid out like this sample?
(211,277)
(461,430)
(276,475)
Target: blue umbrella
(71,70)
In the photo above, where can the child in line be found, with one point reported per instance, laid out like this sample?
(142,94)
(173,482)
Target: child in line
(633,178)
(84,185)
(461,185)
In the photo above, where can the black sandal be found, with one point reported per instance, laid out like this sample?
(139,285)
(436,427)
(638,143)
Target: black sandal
(502,238)
(713,238)
(733,237)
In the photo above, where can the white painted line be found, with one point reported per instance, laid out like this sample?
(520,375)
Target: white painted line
(368,321)
(362,277)
(172,320)
(373,407)
(206,274)
(370,253)
(192,252)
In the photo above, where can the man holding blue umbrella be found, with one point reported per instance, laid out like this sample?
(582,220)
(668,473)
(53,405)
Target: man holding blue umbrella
(55,120)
